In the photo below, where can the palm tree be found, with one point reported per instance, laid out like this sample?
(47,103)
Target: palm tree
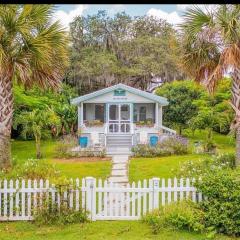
(37,124)
(211,48)
(33,51)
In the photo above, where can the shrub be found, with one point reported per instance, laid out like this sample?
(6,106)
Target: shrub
(32,169)
(209,146)
(64,145)
(184,215)
(198,168)
(50,214)
(221,207)
(170,146)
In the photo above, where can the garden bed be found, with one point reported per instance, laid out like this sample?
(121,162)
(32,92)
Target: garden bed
(81,159)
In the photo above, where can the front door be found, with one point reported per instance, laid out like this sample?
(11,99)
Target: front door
(119,118)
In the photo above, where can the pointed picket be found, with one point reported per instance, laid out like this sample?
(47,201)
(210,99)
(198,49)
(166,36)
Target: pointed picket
(169,196)
(77,195)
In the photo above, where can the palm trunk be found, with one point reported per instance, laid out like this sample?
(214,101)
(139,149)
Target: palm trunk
(38,147)
(235,103)
(6,112)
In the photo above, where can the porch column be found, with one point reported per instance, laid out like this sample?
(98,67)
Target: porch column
(156,115)
(159,115)
(80,115)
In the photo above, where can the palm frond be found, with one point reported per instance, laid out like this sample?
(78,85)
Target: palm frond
(32,45)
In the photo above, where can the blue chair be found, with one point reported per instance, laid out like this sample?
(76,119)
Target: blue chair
(153,141)
(83,142)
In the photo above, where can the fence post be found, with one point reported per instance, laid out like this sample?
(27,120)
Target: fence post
(91,197)
(155,192)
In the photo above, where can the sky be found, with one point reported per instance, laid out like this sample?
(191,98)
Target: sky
(170,12)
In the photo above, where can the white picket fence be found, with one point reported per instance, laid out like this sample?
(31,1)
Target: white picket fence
(103,200)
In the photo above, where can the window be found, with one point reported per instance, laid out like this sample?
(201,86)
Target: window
(84,112)
(125,112)
(99,112)
(135,114)
(142,113)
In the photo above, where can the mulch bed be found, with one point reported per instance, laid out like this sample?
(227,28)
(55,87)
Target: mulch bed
(81,159)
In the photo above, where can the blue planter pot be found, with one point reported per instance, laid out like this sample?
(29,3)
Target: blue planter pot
(83,141)
(153,141)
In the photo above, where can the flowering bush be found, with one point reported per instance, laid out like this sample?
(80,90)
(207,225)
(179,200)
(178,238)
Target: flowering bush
(169,146)
(64,146)
(201,167)
(32,169)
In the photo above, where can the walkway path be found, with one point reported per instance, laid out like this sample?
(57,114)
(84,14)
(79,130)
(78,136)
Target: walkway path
(119,172)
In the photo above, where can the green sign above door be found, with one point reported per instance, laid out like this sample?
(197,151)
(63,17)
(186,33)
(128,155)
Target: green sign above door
(119,92)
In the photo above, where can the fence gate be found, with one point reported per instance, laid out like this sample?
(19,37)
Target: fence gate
(108,201)
(104,201)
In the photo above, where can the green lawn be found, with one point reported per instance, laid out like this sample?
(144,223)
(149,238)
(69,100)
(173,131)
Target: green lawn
(105,230)
(166,167)
(22,150)
(163,167)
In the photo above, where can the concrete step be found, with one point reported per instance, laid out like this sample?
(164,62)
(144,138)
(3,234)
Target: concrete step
(119,166)
(118,179)
(119,172)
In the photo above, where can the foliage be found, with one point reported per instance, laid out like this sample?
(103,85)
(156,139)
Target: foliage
(50,214)
(184,215)
(181,109)
(209,146)
(38,124)
(147,123)
(214,111)
(64,145)
(59,102)
(167,147)
(94,123)
(90,152)
(221,207)
(203,166)
(210,48)
(38,57)
(32,169)
(107,50)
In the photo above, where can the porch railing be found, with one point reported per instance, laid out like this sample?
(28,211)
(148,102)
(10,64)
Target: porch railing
(167,130)
(122,127)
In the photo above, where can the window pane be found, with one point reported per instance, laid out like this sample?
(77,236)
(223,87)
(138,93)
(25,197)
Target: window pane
(142,113)
(99,112)
(113,112)
(125,112)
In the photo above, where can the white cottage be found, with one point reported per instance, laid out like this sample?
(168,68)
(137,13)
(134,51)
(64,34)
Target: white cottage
(120,116)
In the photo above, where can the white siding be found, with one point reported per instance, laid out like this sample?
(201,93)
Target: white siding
(109,97)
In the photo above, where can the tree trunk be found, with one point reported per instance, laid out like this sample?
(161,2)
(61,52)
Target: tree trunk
(38,148)
(235,103)
(6,112)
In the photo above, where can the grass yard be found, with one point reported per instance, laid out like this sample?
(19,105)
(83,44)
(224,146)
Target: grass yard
(163,167)
(22,150)
(109,230)
(166,167)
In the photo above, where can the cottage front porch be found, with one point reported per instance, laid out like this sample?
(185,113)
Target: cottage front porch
(120,116)
(120,125)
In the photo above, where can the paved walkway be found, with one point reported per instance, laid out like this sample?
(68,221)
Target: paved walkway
(119,172)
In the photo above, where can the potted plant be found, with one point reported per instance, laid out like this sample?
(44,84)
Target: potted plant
(94,123)
(83,140)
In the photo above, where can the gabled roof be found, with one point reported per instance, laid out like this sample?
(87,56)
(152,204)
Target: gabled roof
(155,98)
